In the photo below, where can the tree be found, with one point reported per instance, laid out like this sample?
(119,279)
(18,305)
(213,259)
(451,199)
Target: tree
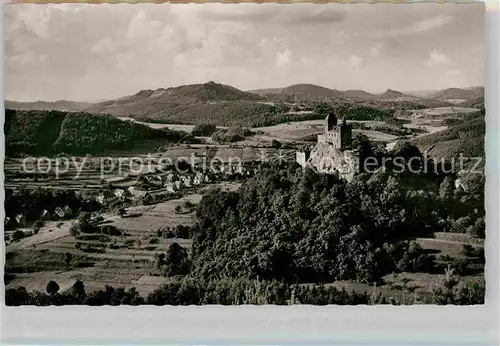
(275,144)
(407,151)
(176,260)
(37,225)
(121,211)
(67,258)
(18,235)
(74,230)
(188,205)
(204,130)
(446,189)
(78,291)
(84,221)
(178,208)
(52,288)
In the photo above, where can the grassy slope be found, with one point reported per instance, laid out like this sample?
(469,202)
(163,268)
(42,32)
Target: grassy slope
(465,137)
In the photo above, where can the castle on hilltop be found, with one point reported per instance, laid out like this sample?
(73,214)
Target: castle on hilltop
(338,135)
(333,153)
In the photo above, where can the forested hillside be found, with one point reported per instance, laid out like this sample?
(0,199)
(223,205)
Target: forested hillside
(45,132)
(298,227)
(464,136)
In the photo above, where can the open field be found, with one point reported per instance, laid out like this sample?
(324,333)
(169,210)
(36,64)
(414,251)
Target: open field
(298,130)
(91,173)
(287,132)
(130,263)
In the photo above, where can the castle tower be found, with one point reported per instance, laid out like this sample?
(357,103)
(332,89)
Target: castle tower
(330,122)
(345,135)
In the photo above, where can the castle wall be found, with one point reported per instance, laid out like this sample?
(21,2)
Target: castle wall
(328,159)
(301,158)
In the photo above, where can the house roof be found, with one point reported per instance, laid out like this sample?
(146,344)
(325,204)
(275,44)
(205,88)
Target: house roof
(139,193)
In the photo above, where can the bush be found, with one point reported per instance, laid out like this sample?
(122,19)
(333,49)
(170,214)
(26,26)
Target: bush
(204,130)
(181,231)
(18,235)
(461,224)
(110,230)
(52,287)
(232,134)
(275,144)
(93,249)
(37,225)
(460,266)
(96,237)
(478,229)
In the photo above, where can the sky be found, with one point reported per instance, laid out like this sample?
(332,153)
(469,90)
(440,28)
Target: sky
(86,52)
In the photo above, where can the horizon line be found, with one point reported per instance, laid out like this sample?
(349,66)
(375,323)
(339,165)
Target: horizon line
(251,91)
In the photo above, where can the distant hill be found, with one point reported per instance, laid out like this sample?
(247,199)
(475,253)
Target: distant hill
(450,93)
(69,106)
(211,102)
(154,102)
(359,94)
(458,94)
(44,132)
(224,105)
(301,92)
(394,94)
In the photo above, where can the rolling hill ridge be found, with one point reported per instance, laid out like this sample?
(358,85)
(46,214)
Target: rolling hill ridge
(224,105)
(46,132)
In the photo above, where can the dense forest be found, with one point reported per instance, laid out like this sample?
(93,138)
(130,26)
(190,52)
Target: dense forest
(31,203)
(286,225)
(46,132)
(258,114)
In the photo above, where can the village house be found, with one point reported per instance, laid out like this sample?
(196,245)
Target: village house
(100,198)
(119,193)
(59,212)
(21,220)
(178,184)
(171,177)
(171,187)
(155,180)
(199,178)
(137,193)
(45,215)
(95,216)
(67,211)
(186,181)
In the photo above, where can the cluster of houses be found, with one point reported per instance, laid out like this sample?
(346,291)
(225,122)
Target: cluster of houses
(58,213)
(171,182)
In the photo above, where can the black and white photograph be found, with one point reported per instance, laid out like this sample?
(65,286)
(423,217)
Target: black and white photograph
(244,154)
